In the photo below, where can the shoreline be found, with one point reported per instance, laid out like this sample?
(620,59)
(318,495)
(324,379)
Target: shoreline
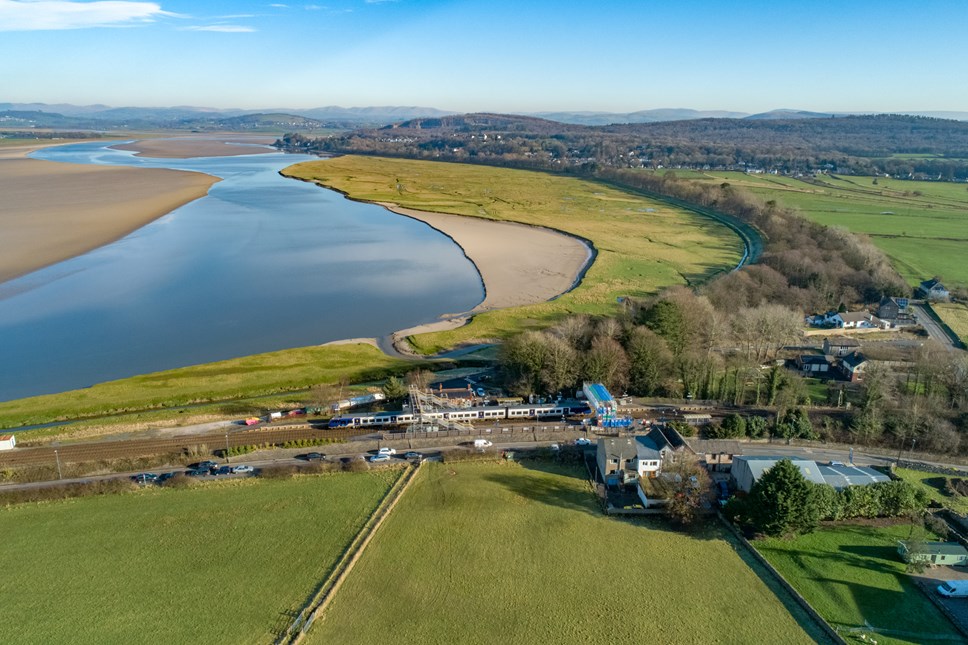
(501,262)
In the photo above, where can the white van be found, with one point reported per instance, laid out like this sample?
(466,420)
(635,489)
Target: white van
(481,444)
(954,589)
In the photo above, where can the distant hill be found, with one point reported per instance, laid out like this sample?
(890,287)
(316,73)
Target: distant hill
(791,114)
(642,116)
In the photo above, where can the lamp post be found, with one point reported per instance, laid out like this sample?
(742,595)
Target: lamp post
(226,446)
(57,459)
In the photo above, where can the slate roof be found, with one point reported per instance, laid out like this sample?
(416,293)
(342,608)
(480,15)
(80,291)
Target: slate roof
(844,476)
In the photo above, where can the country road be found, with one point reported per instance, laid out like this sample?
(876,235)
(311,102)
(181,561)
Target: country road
(934,330)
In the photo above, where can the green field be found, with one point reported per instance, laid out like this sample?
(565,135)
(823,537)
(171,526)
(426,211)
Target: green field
(921,225)
(508,553)
(955,315)
(239,378)
(933,485)
(225,562)
(852,575)
(643,245)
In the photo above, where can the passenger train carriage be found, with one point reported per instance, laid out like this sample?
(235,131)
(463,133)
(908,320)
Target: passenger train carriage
(468,415)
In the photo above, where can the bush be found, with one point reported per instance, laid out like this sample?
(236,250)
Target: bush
(956,487)
(356,466)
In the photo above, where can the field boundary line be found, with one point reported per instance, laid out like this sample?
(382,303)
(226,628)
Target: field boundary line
(326,591)
(794,594)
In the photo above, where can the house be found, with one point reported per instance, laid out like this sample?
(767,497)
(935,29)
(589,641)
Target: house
(852,366)
(933,553)
(716,454)
(933,290)
(814,364)
(7,442)
(858,320)
(617,459)
(839,346)
(655,449)
(746,471)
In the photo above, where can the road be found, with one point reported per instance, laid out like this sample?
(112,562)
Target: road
(934,330)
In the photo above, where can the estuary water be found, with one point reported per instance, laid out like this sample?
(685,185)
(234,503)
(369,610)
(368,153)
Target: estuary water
(261,263)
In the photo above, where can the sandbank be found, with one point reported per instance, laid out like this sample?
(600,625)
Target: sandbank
(518,264)
(208,146)
(53,211)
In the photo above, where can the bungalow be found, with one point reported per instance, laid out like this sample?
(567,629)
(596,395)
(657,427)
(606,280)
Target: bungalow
(813,364)
(933,290)
(839,346)
(858,320)
(933,553)
(852,366)
(7,442)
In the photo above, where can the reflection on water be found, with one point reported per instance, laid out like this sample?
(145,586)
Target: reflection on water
(261,263)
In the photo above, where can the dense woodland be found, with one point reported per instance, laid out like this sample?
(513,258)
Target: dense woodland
(721,340)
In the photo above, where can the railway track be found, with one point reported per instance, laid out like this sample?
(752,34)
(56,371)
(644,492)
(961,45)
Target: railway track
(134,448)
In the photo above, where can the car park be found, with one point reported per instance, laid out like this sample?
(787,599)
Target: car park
(145,478)
(380,457)
(239,470)
(386,451)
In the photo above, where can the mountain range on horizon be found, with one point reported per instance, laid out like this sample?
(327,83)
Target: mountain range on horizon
(336,116)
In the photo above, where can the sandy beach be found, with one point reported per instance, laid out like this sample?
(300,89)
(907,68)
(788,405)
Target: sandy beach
(54,211)
(207,146)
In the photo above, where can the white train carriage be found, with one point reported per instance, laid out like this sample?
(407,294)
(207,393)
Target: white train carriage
(489,413)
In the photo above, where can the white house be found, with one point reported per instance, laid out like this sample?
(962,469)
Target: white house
(7,442)
(858,320)
(933,290)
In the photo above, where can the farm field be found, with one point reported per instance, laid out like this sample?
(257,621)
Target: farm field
(955,315)
(225,562)
(239,378)
(933,485)
(503,552)
(643,245)
(853,576)
(921,225)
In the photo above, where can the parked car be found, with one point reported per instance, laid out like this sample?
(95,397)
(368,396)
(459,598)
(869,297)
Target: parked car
(555,447)
(163,477)
(583,441)
(239,470)
(207,464)
(198,472)
(222,470)
(481,444)
(413,455)
(145,478)
(315,456)
(386,451)
(380,457)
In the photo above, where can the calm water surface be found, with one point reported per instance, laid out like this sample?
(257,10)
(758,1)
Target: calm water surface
(261,263)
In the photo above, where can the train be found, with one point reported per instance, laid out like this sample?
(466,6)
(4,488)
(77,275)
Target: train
(467,415)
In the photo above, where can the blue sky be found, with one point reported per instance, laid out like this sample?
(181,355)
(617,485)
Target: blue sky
(495,55)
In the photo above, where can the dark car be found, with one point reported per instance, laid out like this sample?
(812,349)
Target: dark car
(313,456)
(163,477)
(198,472)
(222,470)
(722,490)
(204,465)
(145,478)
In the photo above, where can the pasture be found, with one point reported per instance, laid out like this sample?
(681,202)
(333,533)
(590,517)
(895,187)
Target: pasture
(643,245)
(852,575)
(934,486)
(955,315)
(225,562)
(921,225)
(503,552)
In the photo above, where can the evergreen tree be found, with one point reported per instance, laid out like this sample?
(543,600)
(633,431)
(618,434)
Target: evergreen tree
(782,501)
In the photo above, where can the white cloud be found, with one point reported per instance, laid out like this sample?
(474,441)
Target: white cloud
(34,15)
(279,5)
(225,29)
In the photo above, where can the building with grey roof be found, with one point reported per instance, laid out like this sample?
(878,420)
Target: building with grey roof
(843,476)
(747,470)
